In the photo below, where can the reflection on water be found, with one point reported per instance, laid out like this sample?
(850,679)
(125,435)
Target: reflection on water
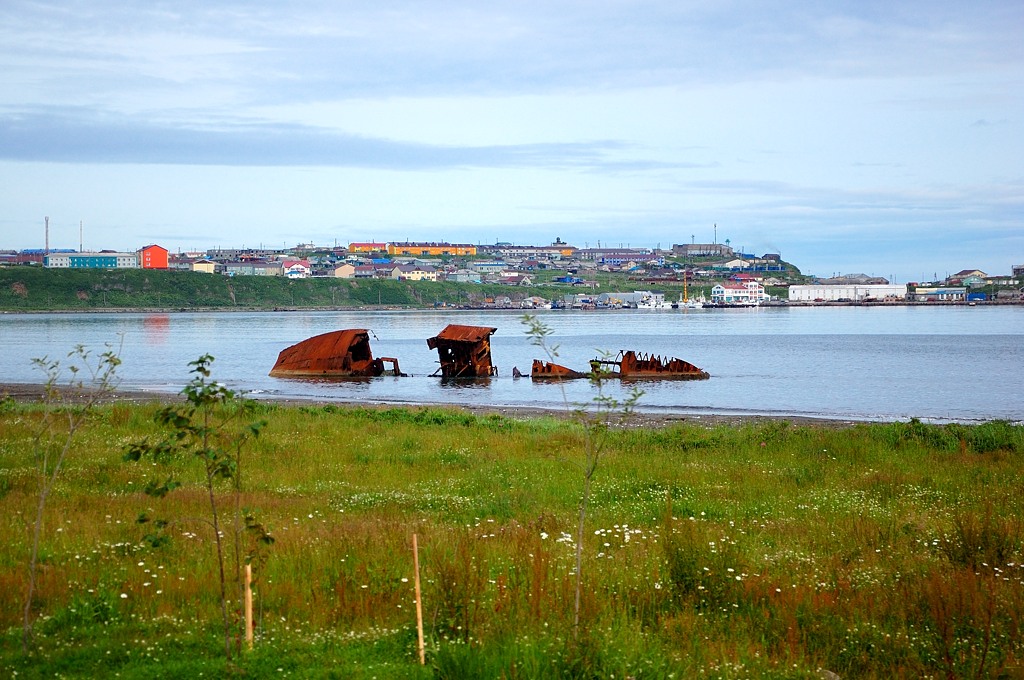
(484,382)
(157,327)
(329,380)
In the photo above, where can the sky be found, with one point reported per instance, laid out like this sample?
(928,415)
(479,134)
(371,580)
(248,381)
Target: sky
(884,138)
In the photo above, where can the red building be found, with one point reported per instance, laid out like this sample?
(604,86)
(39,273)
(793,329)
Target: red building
(153,257)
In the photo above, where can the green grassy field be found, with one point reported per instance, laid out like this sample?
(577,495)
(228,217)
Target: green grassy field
(766,550)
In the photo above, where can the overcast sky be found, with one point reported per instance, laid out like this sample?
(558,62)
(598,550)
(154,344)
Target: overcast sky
(877,137)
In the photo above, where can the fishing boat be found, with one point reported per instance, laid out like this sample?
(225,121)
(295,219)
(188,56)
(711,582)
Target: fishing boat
(684,300)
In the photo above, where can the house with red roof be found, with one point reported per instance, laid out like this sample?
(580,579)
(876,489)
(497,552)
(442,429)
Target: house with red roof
(748,293)
(296,269)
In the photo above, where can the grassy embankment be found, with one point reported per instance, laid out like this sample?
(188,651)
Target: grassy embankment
(38,289)
(35,289)
(771,550)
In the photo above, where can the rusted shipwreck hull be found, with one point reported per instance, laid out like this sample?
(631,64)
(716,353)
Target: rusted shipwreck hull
(338,354)
(628,364)
(549,370)
(464,351)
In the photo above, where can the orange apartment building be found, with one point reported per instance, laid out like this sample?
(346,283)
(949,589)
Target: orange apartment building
(153,257)
(368,247)
(422,249)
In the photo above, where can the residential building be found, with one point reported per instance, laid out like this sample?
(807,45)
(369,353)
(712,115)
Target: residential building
(345,271)
(736,264)
(749,293)
(365,271)
(367,247)
(106,259)
(412,272)
(153,257)
(702,250)
(749,263)
(237,254)
(488,267)
(620,256)
(244,268)
(296,269)
(431,249)
(556,251)
(205,266)
(464,276)
(57,261)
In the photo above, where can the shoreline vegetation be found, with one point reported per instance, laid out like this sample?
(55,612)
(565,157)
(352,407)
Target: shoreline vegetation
(730,547)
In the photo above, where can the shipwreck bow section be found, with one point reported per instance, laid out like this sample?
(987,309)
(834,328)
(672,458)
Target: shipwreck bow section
(629,364)
(338,354)
(464,351)
(626,365)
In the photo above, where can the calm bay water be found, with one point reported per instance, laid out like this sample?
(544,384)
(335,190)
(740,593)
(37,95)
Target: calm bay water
(862,363)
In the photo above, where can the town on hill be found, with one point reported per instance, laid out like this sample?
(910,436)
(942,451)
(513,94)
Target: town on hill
(555,275)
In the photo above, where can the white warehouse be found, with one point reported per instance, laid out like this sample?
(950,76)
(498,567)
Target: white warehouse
(852,292)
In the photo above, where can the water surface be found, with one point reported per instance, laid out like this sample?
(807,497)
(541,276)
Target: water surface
(864,363)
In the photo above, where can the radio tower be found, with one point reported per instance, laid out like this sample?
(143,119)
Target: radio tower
(46,248)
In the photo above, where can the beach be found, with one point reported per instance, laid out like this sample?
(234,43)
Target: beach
(29,392)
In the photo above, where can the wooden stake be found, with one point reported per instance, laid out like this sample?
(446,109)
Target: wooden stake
(419,603)
(248,605)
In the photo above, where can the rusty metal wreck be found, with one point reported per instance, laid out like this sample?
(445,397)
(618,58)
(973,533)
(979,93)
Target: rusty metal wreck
(337,354)
(464,351)
(549,370)
(626,365)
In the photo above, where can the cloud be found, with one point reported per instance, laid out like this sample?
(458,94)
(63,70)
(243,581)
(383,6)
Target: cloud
(263,52)
(73,137)
(983,123)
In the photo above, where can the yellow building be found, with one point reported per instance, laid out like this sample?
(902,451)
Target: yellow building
(367,247)
(423,249)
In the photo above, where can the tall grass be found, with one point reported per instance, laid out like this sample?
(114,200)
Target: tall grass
(889,550)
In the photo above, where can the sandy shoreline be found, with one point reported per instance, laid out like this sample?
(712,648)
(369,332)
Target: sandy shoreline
(28,392)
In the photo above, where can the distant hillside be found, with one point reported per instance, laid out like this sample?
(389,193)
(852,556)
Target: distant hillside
(31,289)
(38,289)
